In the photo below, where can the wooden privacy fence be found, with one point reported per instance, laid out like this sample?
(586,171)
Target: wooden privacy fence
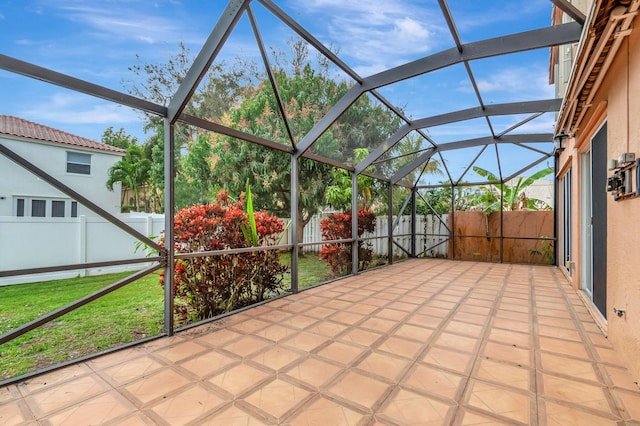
(527,237)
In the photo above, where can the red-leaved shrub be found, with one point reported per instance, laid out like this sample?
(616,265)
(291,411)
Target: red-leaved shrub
(337,226)
(211,285)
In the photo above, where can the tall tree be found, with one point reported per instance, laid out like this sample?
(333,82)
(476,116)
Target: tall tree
(307,94)
(118,139)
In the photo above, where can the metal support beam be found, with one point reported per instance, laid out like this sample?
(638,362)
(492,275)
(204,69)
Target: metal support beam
(77,196)
(169,212)
(208,53)
(294,223)
(328,119)
(272,79)
(570,10)
(48,76)
(390,224)
(25,328)
(411,166)
(513,43)
(354,224)
(413,221)
(541,106)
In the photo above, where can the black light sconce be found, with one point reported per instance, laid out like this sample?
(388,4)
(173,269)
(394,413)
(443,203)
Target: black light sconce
(560,142)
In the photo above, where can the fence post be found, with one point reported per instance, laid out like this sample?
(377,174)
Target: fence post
(82,244)
(413,222)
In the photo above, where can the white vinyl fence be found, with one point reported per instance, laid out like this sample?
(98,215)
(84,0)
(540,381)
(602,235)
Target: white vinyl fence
(41,242)
(432,235)
(27,242)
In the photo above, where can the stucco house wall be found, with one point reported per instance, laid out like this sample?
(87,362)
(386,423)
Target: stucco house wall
(617,103)
(50,154)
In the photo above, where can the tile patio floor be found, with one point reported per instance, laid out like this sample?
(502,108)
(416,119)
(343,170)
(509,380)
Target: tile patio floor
(424,342)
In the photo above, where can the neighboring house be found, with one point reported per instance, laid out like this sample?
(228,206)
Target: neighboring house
(78,162)
(598,229)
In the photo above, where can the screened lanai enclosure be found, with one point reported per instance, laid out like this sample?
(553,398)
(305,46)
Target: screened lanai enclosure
(287,148)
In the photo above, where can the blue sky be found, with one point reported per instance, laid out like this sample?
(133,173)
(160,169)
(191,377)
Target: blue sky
(98,40)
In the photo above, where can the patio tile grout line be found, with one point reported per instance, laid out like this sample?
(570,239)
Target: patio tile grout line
(483,343)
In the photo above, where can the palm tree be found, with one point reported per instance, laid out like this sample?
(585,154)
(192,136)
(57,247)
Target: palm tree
(133,171)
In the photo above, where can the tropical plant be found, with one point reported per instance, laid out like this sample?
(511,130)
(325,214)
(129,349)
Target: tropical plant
(337,226)
(487,197)
(211,285)
(132,171)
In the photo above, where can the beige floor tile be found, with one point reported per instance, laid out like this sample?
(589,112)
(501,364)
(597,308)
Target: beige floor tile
(400,347)
(500,401)
(407,407)
(414,332)
(245,346)
(562,415)
(326,412)
(250,326)
(457,342)
(207,363)
(54,378)
(559,332)
(11,414)
(327,328)
(505,374)
(232,416)
(508,337)
(275,332)
(362,390)
(128,371)
(379,325)
(432,380)
(65,394)
(572,367)
(305,341)
(507,353)
(620,377)
(470,418)
(609,356)
(342,353)
(276,358)
(156,385)
(181,351)
(565,347)
(188,405)
(575,392)
(349,318)
(218,338)
(360,337)
(277,398)
(98,410)
(447,359)
(631,402)
(464,328)
(384,365)
(313,372)
(239,379)
(391,314)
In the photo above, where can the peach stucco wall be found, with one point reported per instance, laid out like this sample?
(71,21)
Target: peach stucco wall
(617,102)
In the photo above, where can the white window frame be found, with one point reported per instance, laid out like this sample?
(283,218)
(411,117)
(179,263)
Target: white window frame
(77,163)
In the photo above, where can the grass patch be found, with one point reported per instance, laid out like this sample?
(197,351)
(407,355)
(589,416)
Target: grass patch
(311,270)
(125,315)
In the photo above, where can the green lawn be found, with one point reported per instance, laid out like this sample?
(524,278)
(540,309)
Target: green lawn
(125,315)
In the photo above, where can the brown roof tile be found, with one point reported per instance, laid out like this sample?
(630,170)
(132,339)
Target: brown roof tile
(15,126)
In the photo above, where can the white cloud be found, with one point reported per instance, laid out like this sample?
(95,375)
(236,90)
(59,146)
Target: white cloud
(78,109)
(524,82)
(120,21)
(380,35)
